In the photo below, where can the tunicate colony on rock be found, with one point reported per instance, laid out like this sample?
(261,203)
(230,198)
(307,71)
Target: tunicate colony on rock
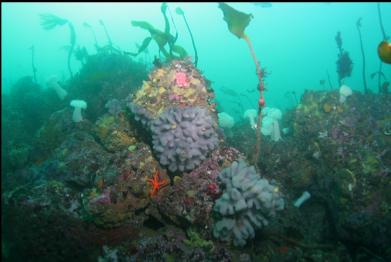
(183,137)
(247,204)
(140,114)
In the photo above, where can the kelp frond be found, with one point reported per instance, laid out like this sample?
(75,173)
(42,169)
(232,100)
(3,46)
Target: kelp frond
(50,21)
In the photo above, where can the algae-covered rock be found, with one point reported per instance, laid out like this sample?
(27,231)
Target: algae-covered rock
(177,84)
(115,132)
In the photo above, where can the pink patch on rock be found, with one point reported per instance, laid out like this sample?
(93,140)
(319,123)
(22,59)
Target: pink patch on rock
(213,190)
(181,79)
(103,199)
(174,97)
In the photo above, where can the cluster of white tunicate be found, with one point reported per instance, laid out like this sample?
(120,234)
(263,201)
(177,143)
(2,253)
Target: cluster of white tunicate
(183,137)
(248,202)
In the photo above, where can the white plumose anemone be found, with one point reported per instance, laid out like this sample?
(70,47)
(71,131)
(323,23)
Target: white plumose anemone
(251,114)
(344,92)
(78,105)
(225,120)
(53,84)
(270,124)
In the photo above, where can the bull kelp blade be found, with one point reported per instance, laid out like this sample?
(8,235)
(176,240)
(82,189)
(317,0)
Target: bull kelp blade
(143,46)
(384,51)
(237,21)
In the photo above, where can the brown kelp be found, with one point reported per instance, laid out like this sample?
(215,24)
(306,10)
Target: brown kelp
(384,48)
(237,22)
(382,52)
(50,21)
(383,86)
(329,80)
(161,38)
(33,63)
(291,95)
(89,27)
(81,54)
(358,25)
(109,47)
(106,32)
(179,11)
(164,8)
(105,76)
(344,63)
(147,60)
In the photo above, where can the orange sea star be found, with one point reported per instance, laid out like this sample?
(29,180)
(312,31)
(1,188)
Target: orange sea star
(156,183)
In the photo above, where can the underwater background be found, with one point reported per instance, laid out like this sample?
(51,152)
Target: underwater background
(122,141)
(295,42)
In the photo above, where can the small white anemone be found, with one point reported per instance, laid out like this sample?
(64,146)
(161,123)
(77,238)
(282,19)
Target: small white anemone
(251,114)
(52,83)
(344,92)
(78,105)
(225,120)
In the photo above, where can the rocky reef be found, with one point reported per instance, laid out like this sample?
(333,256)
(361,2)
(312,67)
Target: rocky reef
(106,76)
(339,153)
(148,176)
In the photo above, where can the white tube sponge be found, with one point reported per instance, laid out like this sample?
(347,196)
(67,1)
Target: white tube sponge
(251,114)
(304,197)
(78,105)
(53,84)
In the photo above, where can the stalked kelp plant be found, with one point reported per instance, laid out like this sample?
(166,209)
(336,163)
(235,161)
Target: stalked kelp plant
(384,48)
(358,25)
(179,11)
(89,27)
(344,63)
(161,38)
(237,22)
(105,76)
(109,48)
(384,52)
(50,21)
(106,32)
(382,86)
(32,48)
(81,54)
